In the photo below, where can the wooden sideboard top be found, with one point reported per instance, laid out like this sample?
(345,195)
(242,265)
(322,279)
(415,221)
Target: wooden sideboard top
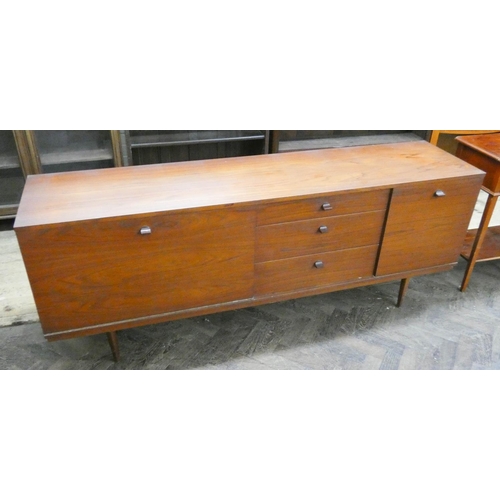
(488,144)
(114,192)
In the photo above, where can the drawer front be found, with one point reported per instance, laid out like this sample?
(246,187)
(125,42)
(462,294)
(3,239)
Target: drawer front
(322,269)
(426,224)
(323,206)
(292,239)
(96,272)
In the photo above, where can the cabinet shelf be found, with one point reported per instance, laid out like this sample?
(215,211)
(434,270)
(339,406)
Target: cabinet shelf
(75,156)
(490,249)
(9,161)
(339,142)
(190,138)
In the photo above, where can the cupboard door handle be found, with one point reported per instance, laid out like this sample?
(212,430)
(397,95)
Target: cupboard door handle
(319,264)
(145,230)
(326,206)
(323,229)
(439,193)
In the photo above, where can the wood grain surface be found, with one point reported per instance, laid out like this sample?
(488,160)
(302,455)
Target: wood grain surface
(94,194)
(424,229)
(300,272)
(489,248)
(310,208)
(291,239)
(488,144)
(98,272)
(482,151)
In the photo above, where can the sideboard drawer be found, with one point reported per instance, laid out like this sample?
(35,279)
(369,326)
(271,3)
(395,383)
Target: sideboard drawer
(311,271)
(323,206)
(292,239)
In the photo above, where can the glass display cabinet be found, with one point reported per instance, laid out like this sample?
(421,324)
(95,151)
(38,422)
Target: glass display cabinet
(143,147)
(68,150)
(12,176)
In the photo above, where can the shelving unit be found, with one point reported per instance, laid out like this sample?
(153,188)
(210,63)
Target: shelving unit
(483,243)
(68,150)
(12,177)
(301,140)
(8,160)
(142,147)
(28,152)
(490,249)
(188,137)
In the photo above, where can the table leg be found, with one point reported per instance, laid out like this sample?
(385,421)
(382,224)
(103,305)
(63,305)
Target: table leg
(481,233)
(113,343)
(402,290)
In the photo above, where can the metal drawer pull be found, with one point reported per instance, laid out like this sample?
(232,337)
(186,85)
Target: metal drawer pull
(145,230)
(326,206)
(439,193)
(319,264)
(323,229)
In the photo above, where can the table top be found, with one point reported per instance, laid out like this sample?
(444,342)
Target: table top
(115,192)
(488,144)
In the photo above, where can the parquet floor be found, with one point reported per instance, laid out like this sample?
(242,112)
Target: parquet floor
(438,327)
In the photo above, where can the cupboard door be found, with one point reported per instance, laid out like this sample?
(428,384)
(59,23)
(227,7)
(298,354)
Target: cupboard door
(426,224)
(105,271)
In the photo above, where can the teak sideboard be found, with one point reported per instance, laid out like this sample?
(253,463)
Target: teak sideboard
(116,248)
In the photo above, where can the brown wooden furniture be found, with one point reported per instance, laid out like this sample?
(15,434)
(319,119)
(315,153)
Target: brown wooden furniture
(15,166)
(445,139)
(482,151)
(11,175)
(117,248)
(436,133)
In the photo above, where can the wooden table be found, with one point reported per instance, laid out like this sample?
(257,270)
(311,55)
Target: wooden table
(482,244)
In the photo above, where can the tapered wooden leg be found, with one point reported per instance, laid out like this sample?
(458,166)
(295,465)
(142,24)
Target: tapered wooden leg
(481,233)
(402,290)
(113,343)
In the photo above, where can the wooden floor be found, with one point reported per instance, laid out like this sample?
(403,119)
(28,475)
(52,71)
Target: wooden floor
(438,327)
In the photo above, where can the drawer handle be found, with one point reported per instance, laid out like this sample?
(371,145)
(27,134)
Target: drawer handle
(326,206)
(319,264)
(145,230)
(323,229)
(439,193)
